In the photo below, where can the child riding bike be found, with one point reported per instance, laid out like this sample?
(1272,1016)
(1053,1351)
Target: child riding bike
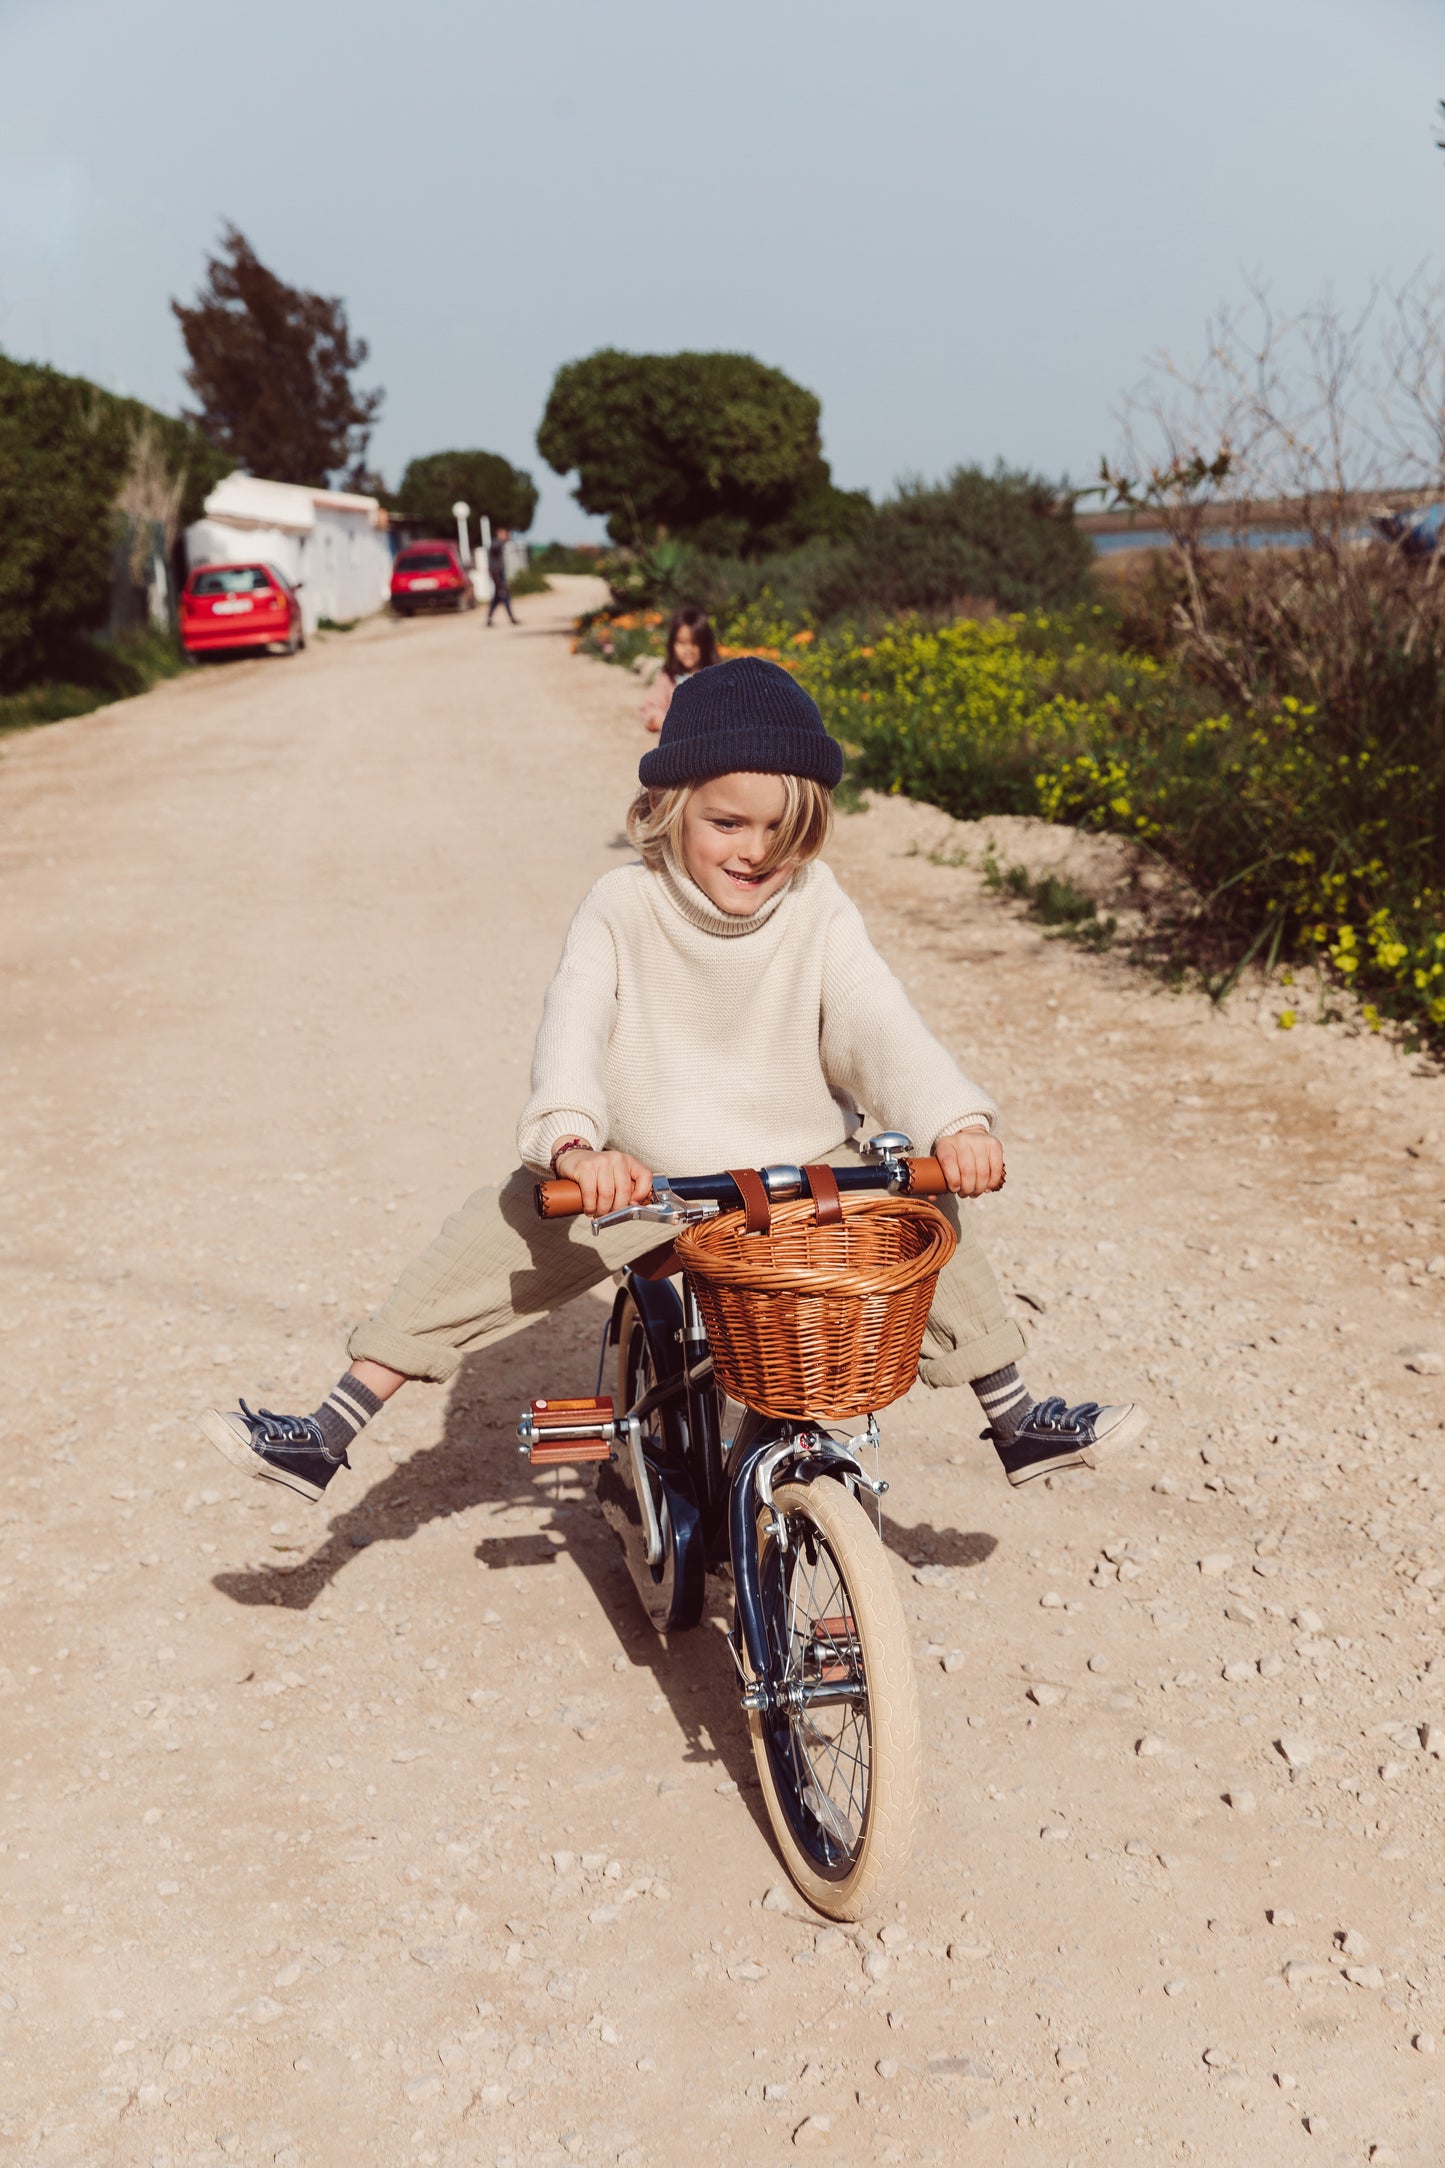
(717,1004)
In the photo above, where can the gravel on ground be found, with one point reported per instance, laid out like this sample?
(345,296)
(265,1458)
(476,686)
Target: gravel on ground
(386,1831)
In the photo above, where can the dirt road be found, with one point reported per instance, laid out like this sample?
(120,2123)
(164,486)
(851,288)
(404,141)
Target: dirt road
(387,1833)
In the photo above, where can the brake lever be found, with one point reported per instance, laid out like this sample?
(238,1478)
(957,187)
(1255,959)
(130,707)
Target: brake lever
(666,1211)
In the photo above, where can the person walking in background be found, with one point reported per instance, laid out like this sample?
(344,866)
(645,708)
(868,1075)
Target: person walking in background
(497,572)
(691,646)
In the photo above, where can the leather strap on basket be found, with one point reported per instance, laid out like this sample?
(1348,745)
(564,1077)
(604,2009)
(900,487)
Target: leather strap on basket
(755,1200)
(823,1189)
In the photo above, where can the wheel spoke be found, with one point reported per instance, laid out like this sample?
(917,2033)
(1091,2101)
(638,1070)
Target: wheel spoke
(816,1638)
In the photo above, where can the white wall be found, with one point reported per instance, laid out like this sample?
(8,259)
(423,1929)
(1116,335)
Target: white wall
(348,566)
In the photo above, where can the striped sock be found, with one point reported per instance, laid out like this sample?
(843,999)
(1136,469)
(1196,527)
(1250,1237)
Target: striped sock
(346,1410)
(1005,1401)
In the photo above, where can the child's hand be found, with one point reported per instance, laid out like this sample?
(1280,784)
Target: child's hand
(609,1181)
(972,1162)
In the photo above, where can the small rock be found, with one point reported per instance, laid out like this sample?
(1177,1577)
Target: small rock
(1151,1743)
(563,1862)
(1281,1916)
(1175,1987)
(749,1970)
(1384,2155)
(894,1936)
(1285,2080)
(887,2068)
(1098,1663)
(1237,1672)
(1242,1799)
(1241,1614)
(419,2089)
(1051,1600)
(1352,1942)
(1425,1362)
(1056,1832)
(1309,1622)
(287,1976)
(1215,1563)
(1217,2059)
(775,2092)
(813,2133)
(1046,1697)
(1071,2056)
(954,1660)
(1423,2043)
(777,1899)
(265,2011)
(1270,1665)
(1364,1976)
(1315,2125)
(875,1965)
(1299,1752)
(1138,1849)
(1302,1972)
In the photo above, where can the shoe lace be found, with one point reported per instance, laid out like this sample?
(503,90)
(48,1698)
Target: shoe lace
(1053,1415)
(284,1429)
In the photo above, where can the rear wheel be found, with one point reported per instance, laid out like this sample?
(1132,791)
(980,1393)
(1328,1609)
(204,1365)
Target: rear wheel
(841,1776)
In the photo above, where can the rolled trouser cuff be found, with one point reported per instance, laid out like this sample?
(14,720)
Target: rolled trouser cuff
(428,1360)
(975,1359)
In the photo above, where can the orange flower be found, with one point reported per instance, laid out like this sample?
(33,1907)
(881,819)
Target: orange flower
(803,638)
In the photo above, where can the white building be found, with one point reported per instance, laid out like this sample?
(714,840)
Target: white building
(330,545)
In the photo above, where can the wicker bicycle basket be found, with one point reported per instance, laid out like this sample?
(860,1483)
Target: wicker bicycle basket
(818,1320)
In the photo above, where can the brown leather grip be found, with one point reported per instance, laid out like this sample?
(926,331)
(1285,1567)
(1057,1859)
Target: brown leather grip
(926,1178)
(823,1189)
(755,1199)
(557,1200)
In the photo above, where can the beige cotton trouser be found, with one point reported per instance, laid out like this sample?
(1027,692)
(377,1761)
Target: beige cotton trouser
(496,1268)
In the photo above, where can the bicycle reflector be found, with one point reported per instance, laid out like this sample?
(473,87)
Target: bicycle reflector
(555,1433)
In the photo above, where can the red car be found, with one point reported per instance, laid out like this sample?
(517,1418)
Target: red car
(240,606)
(431,576)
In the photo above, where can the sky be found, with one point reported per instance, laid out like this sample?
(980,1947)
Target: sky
(965,226)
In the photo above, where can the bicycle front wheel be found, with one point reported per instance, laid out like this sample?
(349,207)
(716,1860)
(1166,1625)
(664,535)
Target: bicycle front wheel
(840,1754)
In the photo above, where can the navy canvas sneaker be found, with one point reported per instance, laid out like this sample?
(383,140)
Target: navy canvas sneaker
(285,1449)
(1052,1436)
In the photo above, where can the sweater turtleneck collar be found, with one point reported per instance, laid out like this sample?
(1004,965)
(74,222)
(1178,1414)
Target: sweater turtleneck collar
(699,910)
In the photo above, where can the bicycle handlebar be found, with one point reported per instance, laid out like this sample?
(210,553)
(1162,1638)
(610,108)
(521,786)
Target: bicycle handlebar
(924,1178)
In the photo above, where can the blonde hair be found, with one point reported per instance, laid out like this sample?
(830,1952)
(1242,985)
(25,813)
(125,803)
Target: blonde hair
(654,822)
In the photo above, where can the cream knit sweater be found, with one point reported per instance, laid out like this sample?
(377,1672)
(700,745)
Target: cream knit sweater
(699,1041)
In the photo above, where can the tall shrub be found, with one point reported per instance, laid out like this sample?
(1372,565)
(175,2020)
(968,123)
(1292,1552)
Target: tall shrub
(68,450)
(1006,538)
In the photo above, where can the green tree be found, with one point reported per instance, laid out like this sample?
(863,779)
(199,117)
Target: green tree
(491,485)
(715,448)
(271,369)
(68,452)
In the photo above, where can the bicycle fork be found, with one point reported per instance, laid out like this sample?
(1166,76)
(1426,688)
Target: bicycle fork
(801,1456)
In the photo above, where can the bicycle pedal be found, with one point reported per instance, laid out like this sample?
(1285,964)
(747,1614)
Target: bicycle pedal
(558,1433)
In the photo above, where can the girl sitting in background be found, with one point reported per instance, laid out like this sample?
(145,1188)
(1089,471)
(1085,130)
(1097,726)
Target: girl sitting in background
(691,646)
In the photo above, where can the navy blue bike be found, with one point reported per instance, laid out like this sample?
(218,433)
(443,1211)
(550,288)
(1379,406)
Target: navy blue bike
(690,1482)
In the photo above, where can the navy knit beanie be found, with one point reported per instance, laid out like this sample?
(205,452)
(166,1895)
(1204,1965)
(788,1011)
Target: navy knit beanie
(743,717)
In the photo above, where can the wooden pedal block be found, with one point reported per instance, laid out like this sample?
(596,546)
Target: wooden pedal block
(559,1433)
